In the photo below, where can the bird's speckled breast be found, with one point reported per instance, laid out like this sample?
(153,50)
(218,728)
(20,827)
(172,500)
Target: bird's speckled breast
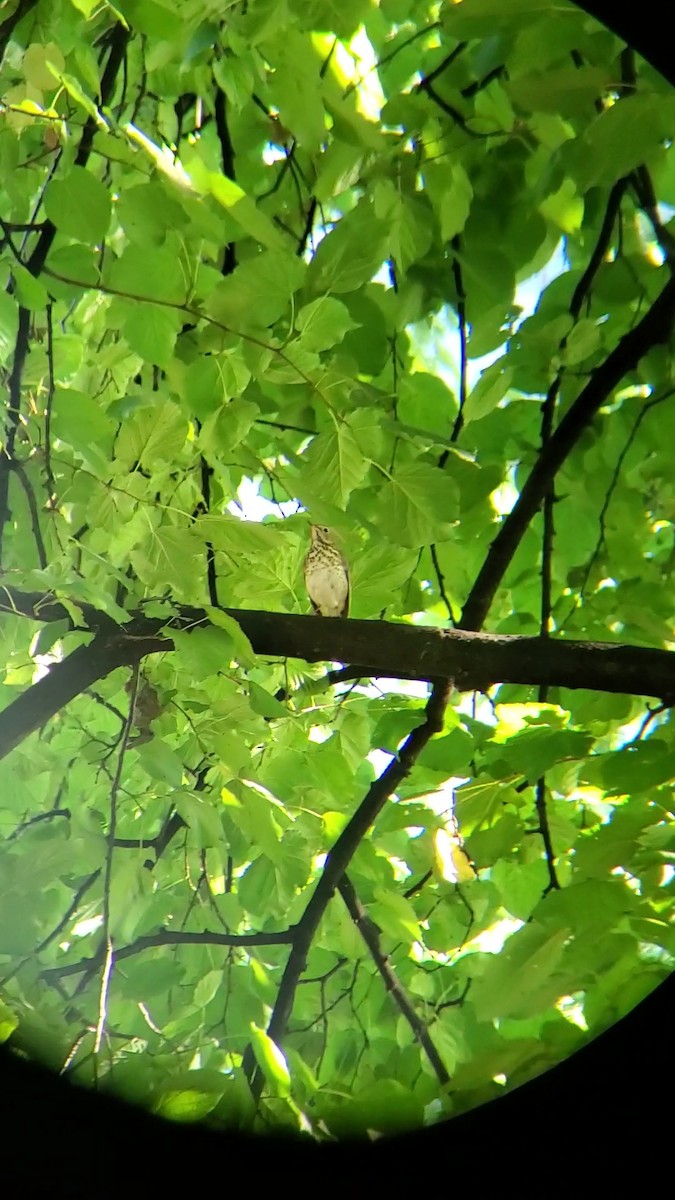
(328,589)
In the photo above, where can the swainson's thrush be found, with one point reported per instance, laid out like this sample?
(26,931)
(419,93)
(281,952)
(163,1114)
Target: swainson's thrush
(326,575)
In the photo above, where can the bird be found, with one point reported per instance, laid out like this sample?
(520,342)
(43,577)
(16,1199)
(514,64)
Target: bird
(326,575)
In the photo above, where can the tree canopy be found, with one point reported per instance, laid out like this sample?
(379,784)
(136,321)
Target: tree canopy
(404,269)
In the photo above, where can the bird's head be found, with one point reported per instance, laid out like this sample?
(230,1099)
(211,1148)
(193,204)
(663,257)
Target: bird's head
(321,534)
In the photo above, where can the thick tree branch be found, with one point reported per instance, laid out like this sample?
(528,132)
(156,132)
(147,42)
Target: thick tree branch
(654,328)
(63,683)
(376,648)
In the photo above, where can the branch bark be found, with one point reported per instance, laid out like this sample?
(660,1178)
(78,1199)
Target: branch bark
(168,937)
(373,648)
(655,327)
(371,936)
(337,863)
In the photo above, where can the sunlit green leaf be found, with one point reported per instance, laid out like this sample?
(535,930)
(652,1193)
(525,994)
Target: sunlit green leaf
(271,1060)
(391,269)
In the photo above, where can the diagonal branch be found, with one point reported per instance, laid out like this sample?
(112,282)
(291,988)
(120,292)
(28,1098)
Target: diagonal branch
(371,936)
(654,328)
(337,863)
(66,680)
(21,348)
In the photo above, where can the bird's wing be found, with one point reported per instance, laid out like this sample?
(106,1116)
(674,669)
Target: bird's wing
(345,611)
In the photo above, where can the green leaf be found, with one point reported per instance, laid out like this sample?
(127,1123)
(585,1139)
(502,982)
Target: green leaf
(396,916)
(264,704)
(408,221)
(522,979)
(80,421)
(478,803)
(418,506)
(204,652)
(296,89)
(387,1106)
(79,206)
(335,461)
(258,292)
(238,205)
(349,256)
(355,735)
(260,820)
(142,274)
(271,1061)
(568,90)
(243,649)
(209,985)
(248,539)
(521,885)
(582,342)
(235,77)
(227,427)
(30,291)
(377,573)
(588,905)
(153,335)
(8,1022)
(201,816)
(35,66)
(477,18)
(338,170)
(75,89)
(161,762)
(451,194)
(9,324)
(491,388)
(70,270)
(147,212)
(169,558)
(187,1105)
(533,751)
(632,770)
(623,136)
(152,434)
(323,323)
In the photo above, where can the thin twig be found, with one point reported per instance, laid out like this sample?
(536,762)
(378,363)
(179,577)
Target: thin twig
(108,866)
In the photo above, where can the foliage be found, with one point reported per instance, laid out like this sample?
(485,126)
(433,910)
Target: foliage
(274,242)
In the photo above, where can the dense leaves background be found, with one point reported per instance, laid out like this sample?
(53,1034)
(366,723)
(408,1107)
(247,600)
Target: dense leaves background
(273,244)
